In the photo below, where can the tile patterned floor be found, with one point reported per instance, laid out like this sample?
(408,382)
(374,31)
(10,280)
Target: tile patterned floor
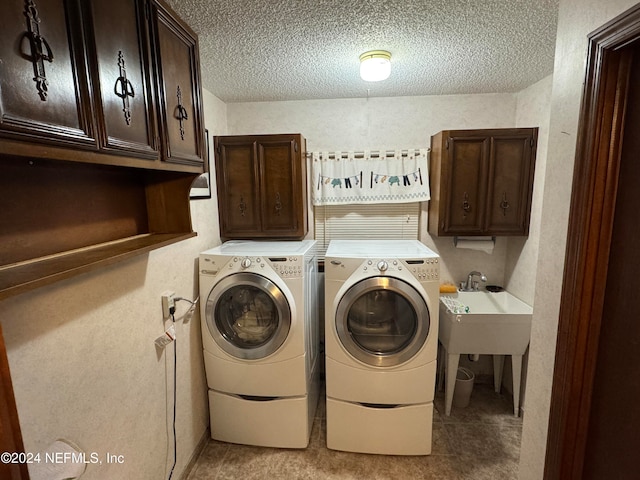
(481,441)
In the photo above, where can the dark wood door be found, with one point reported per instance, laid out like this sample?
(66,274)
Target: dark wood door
(238,183)
(44,94)
(119,48)
(281,166)
(510,180)
(465,174)
(594,421)
(10,435)
(614,420)
(177,64)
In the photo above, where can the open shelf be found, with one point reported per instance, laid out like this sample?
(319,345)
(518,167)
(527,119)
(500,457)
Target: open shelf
(21,277)
(62,218)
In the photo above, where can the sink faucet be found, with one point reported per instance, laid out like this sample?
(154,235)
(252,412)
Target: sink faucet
(471,285)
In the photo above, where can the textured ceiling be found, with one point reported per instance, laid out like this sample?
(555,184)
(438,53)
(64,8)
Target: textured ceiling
(270,50)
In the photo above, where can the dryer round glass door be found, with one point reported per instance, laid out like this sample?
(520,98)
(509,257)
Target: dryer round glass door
(248,316)
(382,321)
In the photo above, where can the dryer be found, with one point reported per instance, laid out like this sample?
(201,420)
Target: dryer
(381,339)
(260,341)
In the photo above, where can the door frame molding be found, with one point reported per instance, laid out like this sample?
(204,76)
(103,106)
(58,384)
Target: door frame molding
(593,197)
(10,434)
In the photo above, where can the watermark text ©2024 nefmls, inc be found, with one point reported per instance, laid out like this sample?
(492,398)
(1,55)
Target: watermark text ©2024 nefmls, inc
(93,458)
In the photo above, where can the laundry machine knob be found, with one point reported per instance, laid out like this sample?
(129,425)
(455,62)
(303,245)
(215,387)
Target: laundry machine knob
(246,262)
(382,265)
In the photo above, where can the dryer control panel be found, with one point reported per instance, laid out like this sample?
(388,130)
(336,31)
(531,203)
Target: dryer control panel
(423,269)
(428,269)
(288,267)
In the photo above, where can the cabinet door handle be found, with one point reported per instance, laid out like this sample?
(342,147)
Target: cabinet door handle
(181,112)
(466,206)
(40,49)
(243,206)
(125,89)
(278,205)
(504,205)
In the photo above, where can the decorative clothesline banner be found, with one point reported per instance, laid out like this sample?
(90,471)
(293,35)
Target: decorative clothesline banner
(342,178)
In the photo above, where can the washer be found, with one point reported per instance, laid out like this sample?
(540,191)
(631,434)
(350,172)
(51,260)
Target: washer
(260,340)
(381,334)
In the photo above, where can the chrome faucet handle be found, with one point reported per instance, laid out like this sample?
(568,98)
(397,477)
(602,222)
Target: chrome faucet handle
(471,285)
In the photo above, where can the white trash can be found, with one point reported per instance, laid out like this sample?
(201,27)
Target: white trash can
(463,388)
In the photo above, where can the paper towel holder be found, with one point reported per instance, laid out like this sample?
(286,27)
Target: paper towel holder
(463,237)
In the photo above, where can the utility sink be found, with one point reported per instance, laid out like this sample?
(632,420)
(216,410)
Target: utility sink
(483,322)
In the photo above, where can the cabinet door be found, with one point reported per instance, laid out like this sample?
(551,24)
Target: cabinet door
(510,180)
(465,173)
(177,64)
(238,184)
(116,30)
(44,94)
(282,168)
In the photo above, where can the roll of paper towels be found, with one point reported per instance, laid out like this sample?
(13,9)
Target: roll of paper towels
(482,244)
(60,461)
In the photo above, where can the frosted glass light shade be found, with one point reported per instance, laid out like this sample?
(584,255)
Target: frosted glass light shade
(375,65)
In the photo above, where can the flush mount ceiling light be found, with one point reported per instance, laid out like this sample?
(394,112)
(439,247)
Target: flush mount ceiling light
(375,65)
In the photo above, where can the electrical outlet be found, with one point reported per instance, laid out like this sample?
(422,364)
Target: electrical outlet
(168,303)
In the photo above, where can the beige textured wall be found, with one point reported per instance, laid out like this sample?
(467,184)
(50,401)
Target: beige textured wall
(577,18)
(84,364)
(374,123)
(522,252)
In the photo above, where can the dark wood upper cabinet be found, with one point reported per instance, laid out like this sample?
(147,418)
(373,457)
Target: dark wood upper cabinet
(44,93)
(178,84)
(119,49)
(482,181)
(90,128)
(261,182)
(117,80)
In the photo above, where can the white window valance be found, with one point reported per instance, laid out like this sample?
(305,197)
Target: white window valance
(370,177)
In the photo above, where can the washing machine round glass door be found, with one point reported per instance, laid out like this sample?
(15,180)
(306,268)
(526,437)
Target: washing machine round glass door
(248,316)
(382,321)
